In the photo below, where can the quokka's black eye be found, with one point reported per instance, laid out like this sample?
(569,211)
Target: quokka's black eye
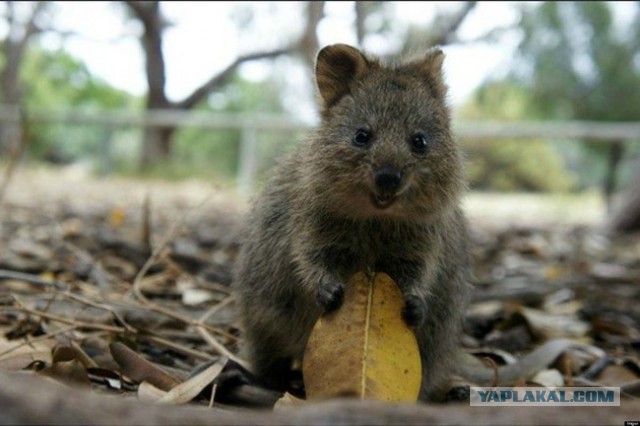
(419,143)
(362,138)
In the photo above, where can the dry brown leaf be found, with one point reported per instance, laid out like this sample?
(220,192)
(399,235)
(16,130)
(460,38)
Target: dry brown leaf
(616,375)
(16,354)
(364,349)
(69,372)
(617,325)
(139,369)
(189,389)
(68,353)
(18,361)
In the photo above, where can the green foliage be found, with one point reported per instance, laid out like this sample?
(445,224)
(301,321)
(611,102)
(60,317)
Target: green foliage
(54,80)
(511,165)
(573,63)
(516,165)
(578,63)
(218,152)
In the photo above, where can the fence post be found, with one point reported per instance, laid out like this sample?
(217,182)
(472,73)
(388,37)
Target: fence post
(615,155)
(248,160)
(106,157)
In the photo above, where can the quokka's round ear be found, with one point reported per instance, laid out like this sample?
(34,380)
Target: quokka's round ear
(429,67)
(434,58)
(337,67)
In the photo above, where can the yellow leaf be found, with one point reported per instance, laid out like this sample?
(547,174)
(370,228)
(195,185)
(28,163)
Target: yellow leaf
(554,272)
(48,276)
(116,217)
(364,349)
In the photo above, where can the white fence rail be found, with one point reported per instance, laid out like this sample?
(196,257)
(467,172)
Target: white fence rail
(250,127)
(210,120)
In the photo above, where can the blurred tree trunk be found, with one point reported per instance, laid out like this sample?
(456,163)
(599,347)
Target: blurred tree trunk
(157,141)
(361,16)
(442,31)
(626,216)
(615,153)
(447,25)
(309,42)
(156,144)
(13,49)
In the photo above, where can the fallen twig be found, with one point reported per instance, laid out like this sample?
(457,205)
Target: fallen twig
(199,325)
(109,309)
(78,324)
(177,347)
(32,279)
(30,340)
(212,341)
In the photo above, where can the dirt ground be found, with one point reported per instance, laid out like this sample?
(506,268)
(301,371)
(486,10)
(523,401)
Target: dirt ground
(86,262)
(76,187)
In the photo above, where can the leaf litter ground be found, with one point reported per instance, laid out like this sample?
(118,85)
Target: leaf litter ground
(123,287)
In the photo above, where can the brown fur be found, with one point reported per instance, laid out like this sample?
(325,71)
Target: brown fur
(317,223)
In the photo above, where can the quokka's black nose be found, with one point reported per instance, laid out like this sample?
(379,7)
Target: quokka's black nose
(388,179)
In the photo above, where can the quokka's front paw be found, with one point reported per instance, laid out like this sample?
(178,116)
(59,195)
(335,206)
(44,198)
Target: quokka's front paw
(414,312)
(330,295)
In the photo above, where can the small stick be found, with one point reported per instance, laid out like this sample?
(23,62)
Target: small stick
(83,300)
(101,276)
(77,324)
(137,292)
(214,387)
(212,341)
(215,308)
(491,363)
(567,368)
(178,348)
(146,222)
(32,279)
(32,340)
(219,347)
